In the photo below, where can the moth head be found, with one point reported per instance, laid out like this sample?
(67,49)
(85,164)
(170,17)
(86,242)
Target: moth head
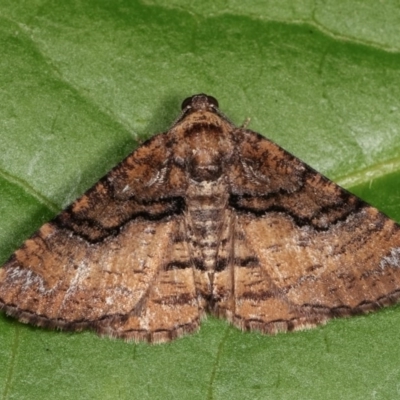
(199,102)
(200,105)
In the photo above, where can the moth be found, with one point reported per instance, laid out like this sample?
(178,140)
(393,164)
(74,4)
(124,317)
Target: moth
(205,218)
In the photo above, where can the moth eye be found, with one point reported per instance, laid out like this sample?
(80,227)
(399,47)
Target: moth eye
(213,101)
(186,102)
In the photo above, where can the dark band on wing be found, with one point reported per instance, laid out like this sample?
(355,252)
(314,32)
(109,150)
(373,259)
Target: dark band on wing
(320,218)
(177,265)
(94,231)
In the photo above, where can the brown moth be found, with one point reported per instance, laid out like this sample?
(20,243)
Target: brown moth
(206,217)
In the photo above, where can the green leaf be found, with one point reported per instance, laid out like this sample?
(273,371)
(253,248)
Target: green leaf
(83,82)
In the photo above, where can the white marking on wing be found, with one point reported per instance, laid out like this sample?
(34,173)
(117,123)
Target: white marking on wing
(392,260)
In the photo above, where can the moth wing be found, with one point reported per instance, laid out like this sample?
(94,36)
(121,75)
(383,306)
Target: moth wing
(170,307)
(313,250)
(95,263)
